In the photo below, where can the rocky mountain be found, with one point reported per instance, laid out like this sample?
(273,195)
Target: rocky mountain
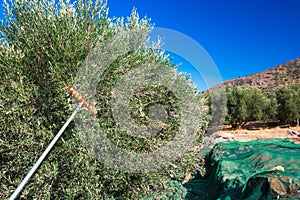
(283,74)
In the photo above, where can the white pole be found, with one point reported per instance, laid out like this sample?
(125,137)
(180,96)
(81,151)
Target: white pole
(40,160)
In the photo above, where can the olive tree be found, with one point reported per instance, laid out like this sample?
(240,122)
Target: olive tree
(43,45)
(246,103)
(288,98)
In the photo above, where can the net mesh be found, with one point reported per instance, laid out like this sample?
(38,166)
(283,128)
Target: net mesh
(260,169)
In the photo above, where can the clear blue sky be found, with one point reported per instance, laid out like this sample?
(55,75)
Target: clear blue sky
(242,36)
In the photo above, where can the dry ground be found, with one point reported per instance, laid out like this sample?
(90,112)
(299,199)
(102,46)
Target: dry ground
(248,135)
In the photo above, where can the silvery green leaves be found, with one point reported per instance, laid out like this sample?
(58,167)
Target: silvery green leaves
(53,45)
(158,153)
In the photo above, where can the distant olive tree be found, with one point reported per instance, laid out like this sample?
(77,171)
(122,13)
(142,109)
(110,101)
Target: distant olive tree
(246,103)
(271,108)
(288,98)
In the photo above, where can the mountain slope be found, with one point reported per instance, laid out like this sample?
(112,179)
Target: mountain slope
(283,74)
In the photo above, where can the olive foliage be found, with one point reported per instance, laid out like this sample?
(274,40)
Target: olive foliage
(43,45)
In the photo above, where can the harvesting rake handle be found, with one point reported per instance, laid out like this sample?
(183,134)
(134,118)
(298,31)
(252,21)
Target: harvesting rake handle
(82,100)
(42,157)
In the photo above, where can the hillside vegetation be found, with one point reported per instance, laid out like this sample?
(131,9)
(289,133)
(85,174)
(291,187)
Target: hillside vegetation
(284,74)
(246,103)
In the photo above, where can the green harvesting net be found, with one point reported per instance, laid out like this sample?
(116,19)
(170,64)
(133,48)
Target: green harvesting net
(260,169)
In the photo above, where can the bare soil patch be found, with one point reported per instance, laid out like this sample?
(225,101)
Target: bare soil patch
(249,135)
